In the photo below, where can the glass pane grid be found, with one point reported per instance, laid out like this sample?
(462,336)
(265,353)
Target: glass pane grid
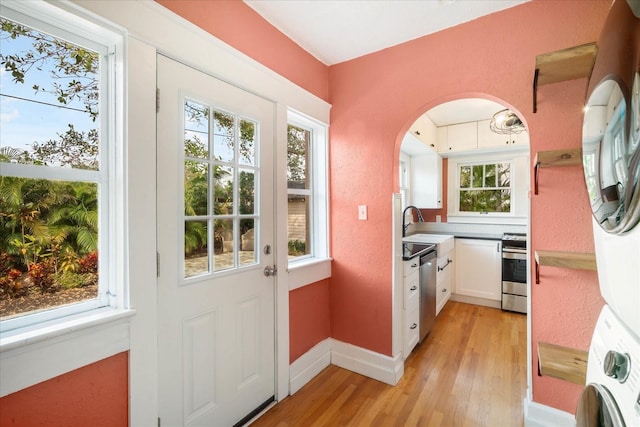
(229,165)
(485,188)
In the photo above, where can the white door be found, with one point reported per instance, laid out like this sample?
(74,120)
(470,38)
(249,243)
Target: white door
(215,236)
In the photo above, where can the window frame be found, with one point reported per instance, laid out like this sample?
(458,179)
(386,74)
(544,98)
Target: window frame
(112,289)
(484,163)
(318,194)
(520,182)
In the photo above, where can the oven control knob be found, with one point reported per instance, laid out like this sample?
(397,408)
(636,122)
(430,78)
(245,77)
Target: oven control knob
(617,365)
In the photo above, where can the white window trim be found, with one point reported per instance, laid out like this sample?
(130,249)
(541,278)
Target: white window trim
(308,269)
(519,183)
(49,340)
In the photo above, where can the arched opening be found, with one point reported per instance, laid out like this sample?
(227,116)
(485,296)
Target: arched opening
(464,164)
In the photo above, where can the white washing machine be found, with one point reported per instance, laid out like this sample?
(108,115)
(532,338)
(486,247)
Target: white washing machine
(612,395)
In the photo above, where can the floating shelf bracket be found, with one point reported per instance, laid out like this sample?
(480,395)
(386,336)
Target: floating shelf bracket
(555,158)
(576,260)
(567,64)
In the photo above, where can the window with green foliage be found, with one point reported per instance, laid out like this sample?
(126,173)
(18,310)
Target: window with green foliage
(307,200)
(485,188)
(299,189)
(54,172)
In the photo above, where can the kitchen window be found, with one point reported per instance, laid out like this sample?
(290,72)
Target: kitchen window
(59,201)
(484,188)
(307,215)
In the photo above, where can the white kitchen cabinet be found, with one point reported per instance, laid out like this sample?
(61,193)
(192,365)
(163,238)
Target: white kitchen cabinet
(478,268)
(462,137)
(489,139)
(426,181)
(444,280)
(411,306)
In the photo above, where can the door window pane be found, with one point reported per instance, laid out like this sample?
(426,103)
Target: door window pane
(223,136)
(247,142)
(196,248)
(247,242)
(196,130)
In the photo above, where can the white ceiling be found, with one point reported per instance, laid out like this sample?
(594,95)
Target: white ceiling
(463,111)
(335,31)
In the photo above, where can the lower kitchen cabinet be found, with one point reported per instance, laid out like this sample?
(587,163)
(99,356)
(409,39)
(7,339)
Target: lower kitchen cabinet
(444,280)
(411,306)
(478,268)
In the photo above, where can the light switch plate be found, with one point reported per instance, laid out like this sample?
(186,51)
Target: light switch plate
(362,212)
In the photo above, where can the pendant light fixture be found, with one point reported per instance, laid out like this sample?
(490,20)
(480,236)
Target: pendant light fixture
(506,122)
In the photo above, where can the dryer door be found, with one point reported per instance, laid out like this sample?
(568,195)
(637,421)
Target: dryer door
(596,408)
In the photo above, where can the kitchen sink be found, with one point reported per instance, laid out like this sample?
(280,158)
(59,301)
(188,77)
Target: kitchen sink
(444,242)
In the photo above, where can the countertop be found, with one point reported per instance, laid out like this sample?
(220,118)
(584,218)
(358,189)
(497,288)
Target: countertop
(464,235)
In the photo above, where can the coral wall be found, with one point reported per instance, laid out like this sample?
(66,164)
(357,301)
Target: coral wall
(235,23)
(375,99)
(95,395)
(308,318)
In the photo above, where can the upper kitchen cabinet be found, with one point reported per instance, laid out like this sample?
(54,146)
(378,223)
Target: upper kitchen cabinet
(424,183)
(424,129)
(459,137)
(489,139)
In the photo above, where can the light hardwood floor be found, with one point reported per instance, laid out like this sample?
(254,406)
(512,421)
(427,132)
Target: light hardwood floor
(469,371)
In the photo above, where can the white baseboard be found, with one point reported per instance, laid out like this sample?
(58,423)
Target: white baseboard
(374,365)
(383,368)
(477,301)
(310,364)
(537,415)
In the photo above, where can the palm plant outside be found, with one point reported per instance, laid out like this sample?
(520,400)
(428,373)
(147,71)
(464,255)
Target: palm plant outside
(48,228)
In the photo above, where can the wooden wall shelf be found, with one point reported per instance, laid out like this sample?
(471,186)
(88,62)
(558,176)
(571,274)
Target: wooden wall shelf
(556,158)
(576,260)
(567,64)
(564,363)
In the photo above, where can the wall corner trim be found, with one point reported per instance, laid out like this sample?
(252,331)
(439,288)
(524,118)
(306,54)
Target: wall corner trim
(374,365)
(538,415)
(310,364)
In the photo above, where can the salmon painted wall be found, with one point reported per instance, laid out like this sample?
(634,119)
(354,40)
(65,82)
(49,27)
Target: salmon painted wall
(95,395)
(235,23)
(377,97)
(308,318)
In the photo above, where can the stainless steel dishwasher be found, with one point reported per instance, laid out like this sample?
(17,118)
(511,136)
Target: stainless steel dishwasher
(428,271)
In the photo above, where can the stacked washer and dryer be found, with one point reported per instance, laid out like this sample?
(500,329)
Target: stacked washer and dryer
(611,154)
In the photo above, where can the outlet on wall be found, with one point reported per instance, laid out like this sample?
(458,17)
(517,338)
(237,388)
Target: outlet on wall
(362,212)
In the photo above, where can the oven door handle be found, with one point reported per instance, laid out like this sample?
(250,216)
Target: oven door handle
(514,255)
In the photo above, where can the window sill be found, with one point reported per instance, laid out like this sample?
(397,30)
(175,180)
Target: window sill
(61,346)
(309,271)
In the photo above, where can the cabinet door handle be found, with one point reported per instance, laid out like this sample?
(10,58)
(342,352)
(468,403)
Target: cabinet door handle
(413,288)
(413,326)
(444,290)
(414,265)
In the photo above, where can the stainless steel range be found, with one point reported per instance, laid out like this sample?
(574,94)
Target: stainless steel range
(514,272)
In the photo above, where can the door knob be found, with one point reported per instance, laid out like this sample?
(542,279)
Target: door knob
(270,270)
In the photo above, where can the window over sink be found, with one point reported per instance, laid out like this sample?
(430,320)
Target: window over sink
(488,189)
(484,187)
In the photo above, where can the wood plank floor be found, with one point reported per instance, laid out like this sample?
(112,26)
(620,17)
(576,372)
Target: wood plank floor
(469,371)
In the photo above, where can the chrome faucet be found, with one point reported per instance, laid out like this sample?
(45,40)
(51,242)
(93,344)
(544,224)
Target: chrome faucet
(404,214)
